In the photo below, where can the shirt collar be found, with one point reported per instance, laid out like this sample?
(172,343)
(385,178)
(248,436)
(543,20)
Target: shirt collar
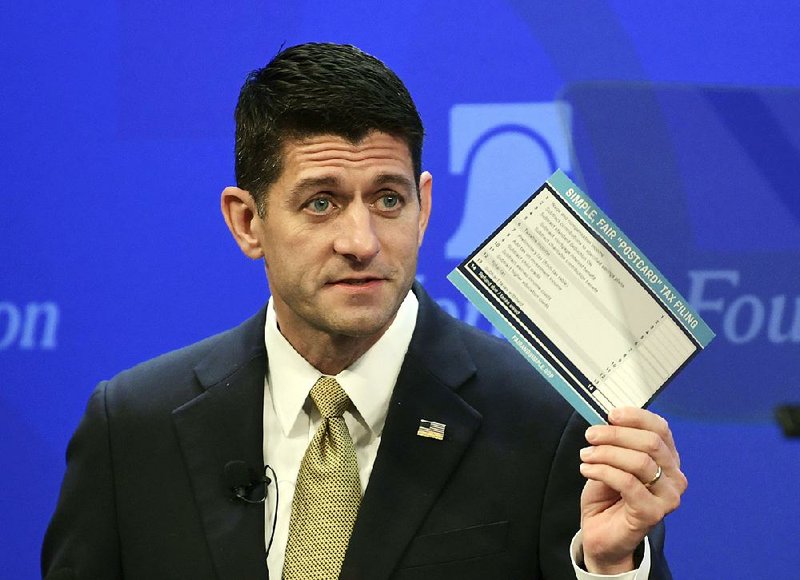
(368,382)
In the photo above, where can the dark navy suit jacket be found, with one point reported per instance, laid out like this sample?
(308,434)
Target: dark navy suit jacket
(145,497)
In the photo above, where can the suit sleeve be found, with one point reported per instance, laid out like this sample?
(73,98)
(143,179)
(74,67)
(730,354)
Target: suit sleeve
(82,541)
(561,513)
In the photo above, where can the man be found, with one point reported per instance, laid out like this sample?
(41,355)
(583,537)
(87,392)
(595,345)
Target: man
(404,443)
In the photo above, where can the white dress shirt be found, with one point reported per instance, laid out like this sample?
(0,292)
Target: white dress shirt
(642,573)
(291,420)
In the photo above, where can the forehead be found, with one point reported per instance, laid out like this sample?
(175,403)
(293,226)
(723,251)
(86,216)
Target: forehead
(376,153)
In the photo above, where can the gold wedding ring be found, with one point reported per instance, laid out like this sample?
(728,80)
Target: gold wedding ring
(656,477)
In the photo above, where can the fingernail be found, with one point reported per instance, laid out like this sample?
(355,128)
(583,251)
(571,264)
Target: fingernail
(586,452)
(615,415)
(591,434)
(584,468)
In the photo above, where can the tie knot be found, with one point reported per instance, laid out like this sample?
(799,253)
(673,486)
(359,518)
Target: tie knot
(329,397)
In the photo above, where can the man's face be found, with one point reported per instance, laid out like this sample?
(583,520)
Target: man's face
(340,234)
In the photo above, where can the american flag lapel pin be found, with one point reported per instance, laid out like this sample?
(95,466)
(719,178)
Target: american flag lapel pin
(431,429)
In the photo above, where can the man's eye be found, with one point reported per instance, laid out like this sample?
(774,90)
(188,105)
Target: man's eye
(320,205)
(390,201)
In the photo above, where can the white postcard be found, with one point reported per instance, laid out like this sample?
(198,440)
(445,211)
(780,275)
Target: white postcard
(581,302)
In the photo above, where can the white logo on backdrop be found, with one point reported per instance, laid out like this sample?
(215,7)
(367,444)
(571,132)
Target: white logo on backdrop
(505,151)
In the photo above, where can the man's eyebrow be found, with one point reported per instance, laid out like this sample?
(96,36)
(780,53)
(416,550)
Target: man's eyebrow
(302,186)
(395,179)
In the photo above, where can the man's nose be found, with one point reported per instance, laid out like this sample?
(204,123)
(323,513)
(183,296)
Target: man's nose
(357,238)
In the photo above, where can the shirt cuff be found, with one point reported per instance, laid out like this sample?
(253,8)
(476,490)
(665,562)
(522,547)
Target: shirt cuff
(576,554)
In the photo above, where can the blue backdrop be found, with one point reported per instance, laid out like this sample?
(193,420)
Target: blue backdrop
(682,119)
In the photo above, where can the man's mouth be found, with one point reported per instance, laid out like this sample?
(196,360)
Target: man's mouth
(356,281)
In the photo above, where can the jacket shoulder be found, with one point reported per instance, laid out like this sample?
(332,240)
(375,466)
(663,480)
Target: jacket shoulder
(497,376)
(509,376)
(176,376)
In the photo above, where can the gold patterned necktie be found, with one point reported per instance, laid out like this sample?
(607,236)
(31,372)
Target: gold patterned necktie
(327,494)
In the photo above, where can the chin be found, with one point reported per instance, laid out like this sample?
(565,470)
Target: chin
(362,326)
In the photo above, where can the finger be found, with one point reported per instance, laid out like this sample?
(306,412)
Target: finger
(638,463)
(647,505)
(647,442)
(645,508)
(646,420)
(669,485)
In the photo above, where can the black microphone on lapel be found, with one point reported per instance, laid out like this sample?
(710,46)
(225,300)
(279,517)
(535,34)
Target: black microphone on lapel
(250,486)
(247,484)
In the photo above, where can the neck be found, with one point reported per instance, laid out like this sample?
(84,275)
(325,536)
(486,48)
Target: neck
(330,355)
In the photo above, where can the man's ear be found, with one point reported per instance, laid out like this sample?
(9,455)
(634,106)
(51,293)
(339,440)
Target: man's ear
(240,213)
(425,189)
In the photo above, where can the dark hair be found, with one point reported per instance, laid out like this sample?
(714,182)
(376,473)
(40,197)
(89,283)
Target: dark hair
(315,89)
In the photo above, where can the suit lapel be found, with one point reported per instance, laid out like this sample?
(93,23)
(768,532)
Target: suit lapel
(410,471)
(223,424)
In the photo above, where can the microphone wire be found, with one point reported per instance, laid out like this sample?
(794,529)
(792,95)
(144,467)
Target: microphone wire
(275,514)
